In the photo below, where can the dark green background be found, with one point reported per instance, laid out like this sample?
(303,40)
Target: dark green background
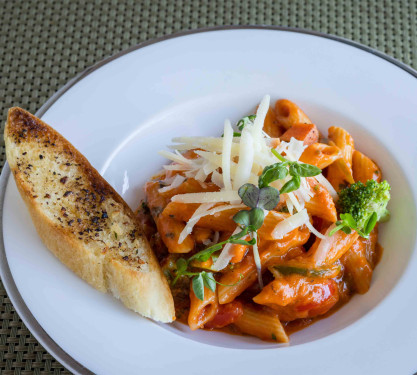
(45,43)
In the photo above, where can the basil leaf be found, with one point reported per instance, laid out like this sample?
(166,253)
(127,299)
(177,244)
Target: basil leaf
(370,223)
(249,194)
(204,255)
(291,185)
(294,169)
(308,170)
(257,217)
(182,265)
(209,280)
(268,198)
(198,286)
(242,217)
(288,270)
(348,220)
(271,173)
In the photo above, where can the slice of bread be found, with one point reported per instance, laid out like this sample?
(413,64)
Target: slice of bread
(82,219)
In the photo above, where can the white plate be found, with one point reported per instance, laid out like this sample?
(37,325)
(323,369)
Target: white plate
(121,112)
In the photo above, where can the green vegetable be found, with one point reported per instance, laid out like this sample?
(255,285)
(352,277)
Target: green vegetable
(265,198)
(279,171)
(198,286)
(361,206)
(288,270)
(245,121)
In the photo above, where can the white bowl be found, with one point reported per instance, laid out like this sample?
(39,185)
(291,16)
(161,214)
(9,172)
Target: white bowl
(123,111)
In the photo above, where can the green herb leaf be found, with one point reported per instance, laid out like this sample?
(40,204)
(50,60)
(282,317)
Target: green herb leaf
(273,336)
(370,224)
(288,270)
(204,255)
(257,217)
(244,121)
(249,194)
(182,265)
(271,173)
(242,218)
(308,170)
(268,198)
(346,230)
(209,280)
(348,220)
(291,185)
(198,286)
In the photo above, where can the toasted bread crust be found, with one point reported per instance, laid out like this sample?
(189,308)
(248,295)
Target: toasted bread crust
(82,219)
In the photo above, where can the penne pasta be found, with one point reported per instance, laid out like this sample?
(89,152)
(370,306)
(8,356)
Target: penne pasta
(289,113)
(271,126)
(234,281)
(320,155)
(340,172)
(321,204)
(201,312)
(357,267)
(261,323)
(295,296)
(364,169)
(327,251)
(170,230)
(307,133)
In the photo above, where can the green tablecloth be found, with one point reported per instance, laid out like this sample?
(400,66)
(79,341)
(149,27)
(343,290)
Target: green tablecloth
(45,43)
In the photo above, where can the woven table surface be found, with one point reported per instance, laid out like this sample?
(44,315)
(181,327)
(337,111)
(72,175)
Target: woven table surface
(45,43)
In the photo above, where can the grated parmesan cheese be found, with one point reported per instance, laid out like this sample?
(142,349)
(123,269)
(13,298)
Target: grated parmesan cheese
(210,197)
(177,181)
(289,224)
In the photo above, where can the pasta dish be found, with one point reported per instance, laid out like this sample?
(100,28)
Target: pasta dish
(268,227)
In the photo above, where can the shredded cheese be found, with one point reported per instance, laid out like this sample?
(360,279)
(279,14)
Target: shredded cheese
(210,197)
(244,166)
(323,180)
(177,181)
(289,224)
(324,247)
(225,256)
(201,211)
(227,148)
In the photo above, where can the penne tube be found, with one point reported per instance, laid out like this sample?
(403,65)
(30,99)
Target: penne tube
(308,133)
(261,323)
(327,251)
(321,204)
(364,169)
(271,126)
(170,231)
(244,274)
(340,171)
(320,155)
(357,268)
(201,312)
(289,113)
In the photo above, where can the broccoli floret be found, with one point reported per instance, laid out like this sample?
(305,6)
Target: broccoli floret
(361,201)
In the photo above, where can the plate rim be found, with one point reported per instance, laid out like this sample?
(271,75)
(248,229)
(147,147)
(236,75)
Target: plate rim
(5,274)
